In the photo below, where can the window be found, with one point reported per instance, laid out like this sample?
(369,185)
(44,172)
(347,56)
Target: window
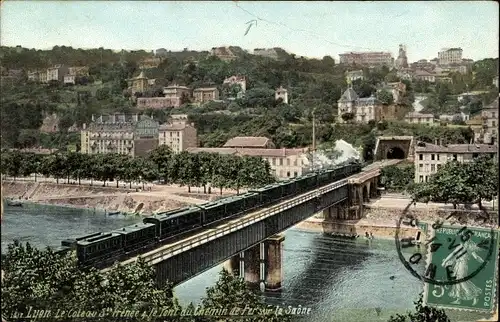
(454,157)
(295,173)
(426,178)
(288,162)
(437,157)
(421,179)
(274,161)
(493,123)
(438,166)
(421,167)
(474,155)
(281,161)
(432,156)
(288,174)
(420,156)
(433,168)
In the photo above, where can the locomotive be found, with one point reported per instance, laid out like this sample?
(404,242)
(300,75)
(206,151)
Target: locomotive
(101,249)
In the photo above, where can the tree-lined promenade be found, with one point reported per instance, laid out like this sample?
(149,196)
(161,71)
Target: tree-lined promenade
(185,169)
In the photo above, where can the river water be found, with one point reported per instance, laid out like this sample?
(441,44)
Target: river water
(340,280)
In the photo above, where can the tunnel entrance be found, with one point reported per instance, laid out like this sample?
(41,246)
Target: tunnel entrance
(395,153)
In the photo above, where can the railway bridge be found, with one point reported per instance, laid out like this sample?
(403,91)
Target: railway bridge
(251,246)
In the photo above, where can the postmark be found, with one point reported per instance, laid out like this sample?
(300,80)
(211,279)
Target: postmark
(460,263)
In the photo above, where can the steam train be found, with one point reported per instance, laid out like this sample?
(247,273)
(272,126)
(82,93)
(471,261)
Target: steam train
(101,249)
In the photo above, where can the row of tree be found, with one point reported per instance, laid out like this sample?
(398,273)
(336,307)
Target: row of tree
(40,281)
(460,183)
(187,169)
(397,178)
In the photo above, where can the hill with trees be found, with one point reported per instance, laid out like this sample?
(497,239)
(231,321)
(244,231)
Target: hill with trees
(314,85)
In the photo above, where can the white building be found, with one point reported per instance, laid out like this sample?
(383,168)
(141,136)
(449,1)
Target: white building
(430,157)
(281,93)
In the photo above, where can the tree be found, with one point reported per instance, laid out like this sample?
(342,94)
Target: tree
(422,314)
(162,156)
(347,116)
(43,280)
(461,183)
(231,292)
(385,97)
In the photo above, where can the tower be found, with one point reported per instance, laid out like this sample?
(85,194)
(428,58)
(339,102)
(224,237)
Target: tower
(402,60)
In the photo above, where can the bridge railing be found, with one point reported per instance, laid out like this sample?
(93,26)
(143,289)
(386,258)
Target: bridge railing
(161,254)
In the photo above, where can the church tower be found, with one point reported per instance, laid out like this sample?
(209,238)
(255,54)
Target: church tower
(402,61)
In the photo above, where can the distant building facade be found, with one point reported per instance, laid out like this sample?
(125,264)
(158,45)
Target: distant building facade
(402,60)
(489,115)
(449,56)
(205,94)
(57,73)
(430,157)
(178,134)
(237,80)
(419,118)
(176,93)
(285,163)
(281,93)
(354,75)
(131,135)
(370,59)
(138,84)
(363,110)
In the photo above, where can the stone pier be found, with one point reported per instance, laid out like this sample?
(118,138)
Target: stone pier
(260,265)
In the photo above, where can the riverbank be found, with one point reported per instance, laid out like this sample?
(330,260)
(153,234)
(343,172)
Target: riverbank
(153,199)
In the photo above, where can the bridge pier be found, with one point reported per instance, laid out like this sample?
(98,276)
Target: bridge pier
(261,264)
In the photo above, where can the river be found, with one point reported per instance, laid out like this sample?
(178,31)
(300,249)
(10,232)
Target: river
(340,280)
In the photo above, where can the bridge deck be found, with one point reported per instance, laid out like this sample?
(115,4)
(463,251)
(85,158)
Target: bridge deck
(169,250)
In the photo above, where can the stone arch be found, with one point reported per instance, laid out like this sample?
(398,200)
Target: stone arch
(395,152)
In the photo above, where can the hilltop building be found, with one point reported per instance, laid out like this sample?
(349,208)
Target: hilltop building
(402,60)
(369,59)
(448,56)
(362,110)
(281,93)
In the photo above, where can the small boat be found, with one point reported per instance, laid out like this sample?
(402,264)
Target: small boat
(14,203)
(114,213)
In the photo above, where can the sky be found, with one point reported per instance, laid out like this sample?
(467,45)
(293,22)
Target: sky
(311,29)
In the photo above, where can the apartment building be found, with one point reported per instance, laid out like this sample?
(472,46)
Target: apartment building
(205,94)
(454,117)
(449,56)
(353,75)
(489,116)
(370,59)
(152,62)
(363,109)
(281,93)
(178,134)
(419,118)
(131,135)
(430,157)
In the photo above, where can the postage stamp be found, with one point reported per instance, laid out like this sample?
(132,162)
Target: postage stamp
(460,263)
(466,261)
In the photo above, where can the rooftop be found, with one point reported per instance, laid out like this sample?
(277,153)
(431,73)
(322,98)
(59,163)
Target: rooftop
(250,151)
(247,141)
(456,148)
(349,95)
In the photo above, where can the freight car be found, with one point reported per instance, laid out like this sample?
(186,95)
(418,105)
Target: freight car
(103,248)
